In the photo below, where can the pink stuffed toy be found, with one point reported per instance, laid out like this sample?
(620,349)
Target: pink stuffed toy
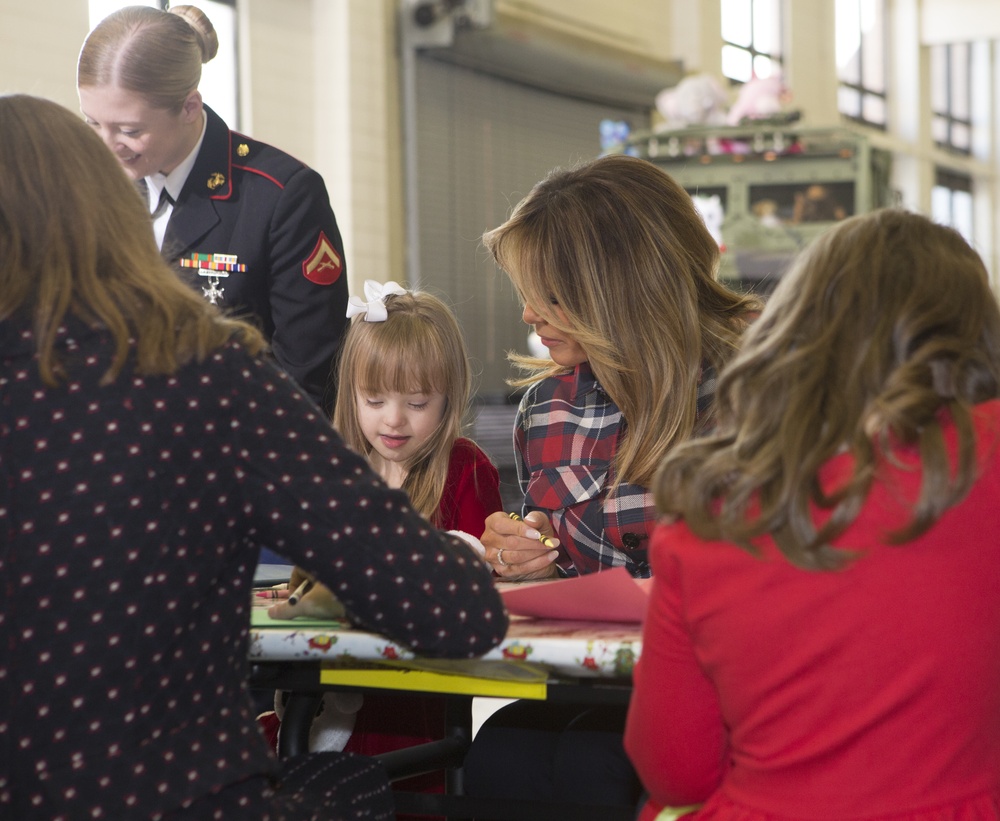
(698,99)
(759,99)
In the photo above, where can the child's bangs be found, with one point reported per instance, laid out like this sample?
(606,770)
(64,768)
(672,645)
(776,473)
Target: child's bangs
(407,369)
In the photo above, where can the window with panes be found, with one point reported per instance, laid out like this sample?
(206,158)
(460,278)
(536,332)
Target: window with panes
(751,35)
(951,96)
(861,61)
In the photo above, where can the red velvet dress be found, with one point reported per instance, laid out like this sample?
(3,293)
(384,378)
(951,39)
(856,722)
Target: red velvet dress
(391,722)
(870,692)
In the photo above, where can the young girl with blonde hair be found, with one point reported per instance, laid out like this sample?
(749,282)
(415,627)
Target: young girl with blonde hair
(404,385)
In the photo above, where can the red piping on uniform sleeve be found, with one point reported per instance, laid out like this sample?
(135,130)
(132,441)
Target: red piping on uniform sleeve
(259,174)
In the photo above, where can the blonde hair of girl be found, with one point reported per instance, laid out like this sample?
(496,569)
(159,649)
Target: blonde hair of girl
(157,54)
(419,348)
(75,240)
(618,244)
(883,323)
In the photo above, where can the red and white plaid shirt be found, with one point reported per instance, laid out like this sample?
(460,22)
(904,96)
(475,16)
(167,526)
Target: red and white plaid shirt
(566,435)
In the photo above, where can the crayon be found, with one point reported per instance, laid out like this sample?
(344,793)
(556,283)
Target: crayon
(545,540)
(273,594)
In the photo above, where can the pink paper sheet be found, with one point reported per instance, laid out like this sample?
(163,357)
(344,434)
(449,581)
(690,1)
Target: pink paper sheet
(611,595)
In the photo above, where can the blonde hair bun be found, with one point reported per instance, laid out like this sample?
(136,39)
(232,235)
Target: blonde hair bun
(208,39)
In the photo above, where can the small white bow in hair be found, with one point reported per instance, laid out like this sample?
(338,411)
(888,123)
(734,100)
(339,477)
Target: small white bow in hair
(374,309)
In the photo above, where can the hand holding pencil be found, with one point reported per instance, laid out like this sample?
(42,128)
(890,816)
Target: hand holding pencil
(307,597)
(301,590)
(521,549)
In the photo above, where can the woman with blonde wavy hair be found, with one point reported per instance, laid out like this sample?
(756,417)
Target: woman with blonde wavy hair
(148,448)
(618,276)
(824,600)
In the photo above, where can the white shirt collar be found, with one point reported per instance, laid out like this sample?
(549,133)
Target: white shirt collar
(174,181)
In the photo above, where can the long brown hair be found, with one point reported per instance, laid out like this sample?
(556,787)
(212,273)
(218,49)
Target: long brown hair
(418,348)
(75,238)
(157,54)
(882,324)
(619,245)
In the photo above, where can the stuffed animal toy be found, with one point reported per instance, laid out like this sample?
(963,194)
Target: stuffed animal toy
(712,213)
(698,99)
(766,212)
(330,729)
(759,99)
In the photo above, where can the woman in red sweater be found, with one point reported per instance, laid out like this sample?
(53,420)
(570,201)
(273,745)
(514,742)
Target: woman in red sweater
(823,637)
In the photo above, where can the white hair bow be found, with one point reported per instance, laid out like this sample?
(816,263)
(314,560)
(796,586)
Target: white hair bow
(374,309)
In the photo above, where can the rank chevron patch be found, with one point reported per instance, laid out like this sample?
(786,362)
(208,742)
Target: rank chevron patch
(323,265)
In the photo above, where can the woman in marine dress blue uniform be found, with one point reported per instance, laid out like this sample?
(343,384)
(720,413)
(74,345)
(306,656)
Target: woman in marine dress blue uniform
(247,224)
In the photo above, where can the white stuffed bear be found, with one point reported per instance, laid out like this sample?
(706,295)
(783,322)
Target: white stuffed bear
(333,724)
(698,99)
(713,214)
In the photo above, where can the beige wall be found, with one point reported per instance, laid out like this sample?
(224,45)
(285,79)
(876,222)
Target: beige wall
(952,21)
(320,81)
(39,43)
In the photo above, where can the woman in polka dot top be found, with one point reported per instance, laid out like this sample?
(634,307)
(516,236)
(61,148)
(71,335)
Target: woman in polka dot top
(147,449)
